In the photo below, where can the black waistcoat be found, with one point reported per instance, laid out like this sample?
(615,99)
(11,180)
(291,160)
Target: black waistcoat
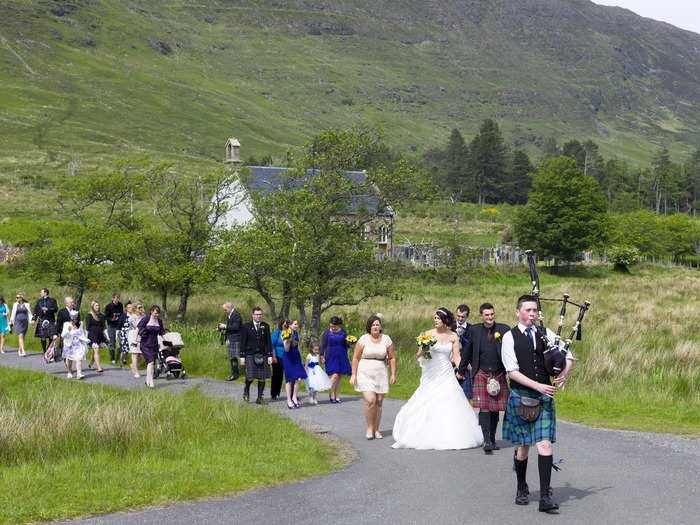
(531,362)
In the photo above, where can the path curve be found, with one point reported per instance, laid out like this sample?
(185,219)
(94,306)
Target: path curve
(608,476)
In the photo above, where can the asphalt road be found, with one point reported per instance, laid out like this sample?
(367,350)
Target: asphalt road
(607,477)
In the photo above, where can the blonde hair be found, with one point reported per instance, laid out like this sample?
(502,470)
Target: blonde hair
(92,310)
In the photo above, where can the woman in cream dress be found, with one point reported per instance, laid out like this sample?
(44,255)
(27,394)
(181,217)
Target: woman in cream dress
(369,372)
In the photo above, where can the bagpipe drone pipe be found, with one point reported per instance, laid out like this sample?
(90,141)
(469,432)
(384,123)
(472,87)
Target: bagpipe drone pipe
(555,349)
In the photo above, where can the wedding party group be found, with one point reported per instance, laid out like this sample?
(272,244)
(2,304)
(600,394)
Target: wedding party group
(496,367)
(125,329)
(502,369)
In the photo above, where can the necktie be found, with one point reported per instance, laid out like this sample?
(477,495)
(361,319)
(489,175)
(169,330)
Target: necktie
(488,333)
(531,337)
(257,327)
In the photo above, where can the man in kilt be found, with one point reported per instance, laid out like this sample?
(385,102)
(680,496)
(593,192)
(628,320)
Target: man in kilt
(256,346)
(483,352)
(45,318)
(523,358)
(231,334)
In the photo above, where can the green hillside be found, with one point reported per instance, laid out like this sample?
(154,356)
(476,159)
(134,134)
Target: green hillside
(83,82)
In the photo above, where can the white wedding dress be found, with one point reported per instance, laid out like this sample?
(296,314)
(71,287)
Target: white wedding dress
(438,416)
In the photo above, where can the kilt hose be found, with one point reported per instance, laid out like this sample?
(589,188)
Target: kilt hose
(521,432)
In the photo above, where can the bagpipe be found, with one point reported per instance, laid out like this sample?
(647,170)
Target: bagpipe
(555,349)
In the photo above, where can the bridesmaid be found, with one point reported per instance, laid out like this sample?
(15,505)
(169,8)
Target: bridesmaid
(4,323)
(334,350)
(294,370)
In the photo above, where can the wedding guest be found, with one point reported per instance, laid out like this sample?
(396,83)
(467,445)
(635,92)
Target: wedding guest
(522,351)
(63,317)
(294,370)
(74,345)
(256,347)
(113,312)
(95,327)
(369,372)
(4,323)
(19,320)
(277,361)
(231,332)
(462,328)
(316,380)
(134,345)
(122,333)
(45,318)
(150,328)
(334,351)
(483,353)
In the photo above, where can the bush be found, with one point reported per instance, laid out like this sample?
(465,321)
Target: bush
(623,256)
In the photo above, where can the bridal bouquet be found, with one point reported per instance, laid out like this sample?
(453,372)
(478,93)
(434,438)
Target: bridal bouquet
(286,334)
(425,341)
(351,339)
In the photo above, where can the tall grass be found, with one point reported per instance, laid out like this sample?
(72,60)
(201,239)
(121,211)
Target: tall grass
(72,449)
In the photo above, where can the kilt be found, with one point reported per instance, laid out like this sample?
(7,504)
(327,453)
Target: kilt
(521,432)
(482,399)
(234,349)
(45,329)
(253,371)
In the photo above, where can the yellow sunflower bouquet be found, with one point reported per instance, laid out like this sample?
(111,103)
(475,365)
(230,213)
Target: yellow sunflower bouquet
(425,342)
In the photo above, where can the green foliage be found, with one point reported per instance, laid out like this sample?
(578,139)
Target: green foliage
(313,241)
(565,213)
(623,256)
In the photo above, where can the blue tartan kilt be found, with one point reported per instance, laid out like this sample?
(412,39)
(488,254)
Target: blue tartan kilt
(521,432)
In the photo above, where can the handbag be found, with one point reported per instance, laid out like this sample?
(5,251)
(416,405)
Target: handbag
(529,409)
(259,359)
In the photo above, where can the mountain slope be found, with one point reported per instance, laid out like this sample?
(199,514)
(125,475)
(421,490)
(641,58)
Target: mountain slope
(86,81)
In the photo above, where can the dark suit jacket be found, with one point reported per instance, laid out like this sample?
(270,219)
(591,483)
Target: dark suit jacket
(256,341)
(476,337)
(62,317)
(233,326)
(51,309)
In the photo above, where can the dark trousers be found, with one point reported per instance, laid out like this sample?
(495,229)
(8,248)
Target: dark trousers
(466,385)
(112,333)
(277,378)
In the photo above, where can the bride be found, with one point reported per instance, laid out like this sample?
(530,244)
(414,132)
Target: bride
(438,415)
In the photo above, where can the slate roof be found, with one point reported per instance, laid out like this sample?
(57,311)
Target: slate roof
(266,179)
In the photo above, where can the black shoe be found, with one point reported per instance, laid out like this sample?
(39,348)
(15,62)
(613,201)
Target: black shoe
(232,378)
(494,445)
(546,503)
(246,396)
(488,447)
(523,495)
(275,398)
(260,401)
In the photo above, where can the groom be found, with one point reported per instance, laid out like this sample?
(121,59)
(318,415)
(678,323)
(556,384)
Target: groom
(488,376)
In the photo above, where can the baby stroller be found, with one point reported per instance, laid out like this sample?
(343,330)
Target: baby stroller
(169,362)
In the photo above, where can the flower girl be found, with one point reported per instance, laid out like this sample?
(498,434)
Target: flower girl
(316,378)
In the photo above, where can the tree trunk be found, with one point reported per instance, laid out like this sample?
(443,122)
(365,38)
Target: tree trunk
(315,319)
(286,300)
(268,300)
(184,296)
(78,296)
(164,303)
(303,319)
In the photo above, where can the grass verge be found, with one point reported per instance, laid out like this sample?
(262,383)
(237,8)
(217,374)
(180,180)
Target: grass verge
(72,449)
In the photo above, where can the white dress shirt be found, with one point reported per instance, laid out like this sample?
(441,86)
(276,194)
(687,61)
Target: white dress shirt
(510,362)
